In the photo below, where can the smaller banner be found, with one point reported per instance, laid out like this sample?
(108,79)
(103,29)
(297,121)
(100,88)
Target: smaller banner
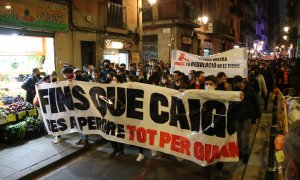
(232,62)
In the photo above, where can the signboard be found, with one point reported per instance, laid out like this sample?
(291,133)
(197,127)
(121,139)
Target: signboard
(232,62)
(34,16)
(196,125)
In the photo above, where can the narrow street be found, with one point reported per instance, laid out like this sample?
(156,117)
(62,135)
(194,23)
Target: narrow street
(95,163)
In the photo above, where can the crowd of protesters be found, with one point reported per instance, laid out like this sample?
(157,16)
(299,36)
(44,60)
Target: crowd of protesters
(263,76)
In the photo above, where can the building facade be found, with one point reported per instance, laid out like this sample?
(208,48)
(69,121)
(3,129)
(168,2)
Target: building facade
(273,27)
(83,32)
(292,21)
(168,25)
(219,34)
(262,22)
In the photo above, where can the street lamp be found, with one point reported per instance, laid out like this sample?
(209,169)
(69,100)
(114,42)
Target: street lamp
(286,29)
(285,37)
(204,19)
(8,7)
(152,2)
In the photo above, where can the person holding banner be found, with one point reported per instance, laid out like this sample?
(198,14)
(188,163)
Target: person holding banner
(118,148)
(211,83)
(249,109)
(131,78)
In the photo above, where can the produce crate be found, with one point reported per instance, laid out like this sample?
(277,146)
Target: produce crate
(3,121)
(18,116)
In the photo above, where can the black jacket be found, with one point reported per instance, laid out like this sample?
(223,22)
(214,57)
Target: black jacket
(29,86)
(249,108)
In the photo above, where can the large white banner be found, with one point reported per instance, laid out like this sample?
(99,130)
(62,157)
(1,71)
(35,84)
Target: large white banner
(232,62)
(196,125)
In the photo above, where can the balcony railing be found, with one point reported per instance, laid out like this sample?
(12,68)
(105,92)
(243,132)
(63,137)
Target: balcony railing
(190,12)
(169,10)
(116,16)
(176,10)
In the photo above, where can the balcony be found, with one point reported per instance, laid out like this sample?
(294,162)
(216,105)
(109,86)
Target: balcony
(223,29)
(116,16)
(147,14)
(190,12)
(176,10)
(169,10)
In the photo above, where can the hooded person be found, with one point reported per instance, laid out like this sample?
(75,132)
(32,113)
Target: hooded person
(248,112)
(67,72)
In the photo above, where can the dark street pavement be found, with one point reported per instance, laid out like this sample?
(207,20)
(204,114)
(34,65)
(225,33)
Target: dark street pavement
(95,163)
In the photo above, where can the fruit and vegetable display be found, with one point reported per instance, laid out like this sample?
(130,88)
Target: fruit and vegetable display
(12,104)
(18,118)
(29,127)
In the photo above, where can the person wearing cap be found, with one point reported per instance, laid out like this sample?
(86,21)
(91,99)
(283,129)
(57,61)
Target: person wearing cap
(29,84)
(248,112)
(78,76)
(67,72)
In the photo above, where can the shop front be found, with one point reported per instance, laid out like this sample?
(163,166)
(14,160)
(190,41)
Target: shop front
(27,31)
(118,51)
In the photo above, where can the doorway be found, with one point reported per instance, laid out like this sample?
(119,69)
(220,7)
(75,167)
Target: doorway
(124,58)
(88,53)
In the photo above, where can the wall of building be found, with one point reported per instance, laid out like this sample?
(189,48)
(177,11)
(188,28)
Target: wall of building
(91,15)
(164,37)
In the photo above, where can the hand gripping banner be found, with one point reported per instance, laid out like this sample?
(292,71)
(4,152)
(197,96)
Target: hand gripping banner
(196,125)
